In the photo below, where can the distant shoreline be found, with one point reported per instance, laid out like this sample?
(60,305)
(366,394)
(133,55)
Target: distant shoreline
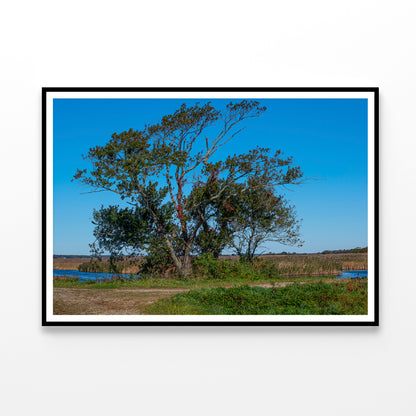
(283,253)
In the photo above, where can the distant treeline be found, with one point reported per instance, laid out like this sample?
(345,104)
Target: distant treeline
(283,253)
(352,250)
(345,251)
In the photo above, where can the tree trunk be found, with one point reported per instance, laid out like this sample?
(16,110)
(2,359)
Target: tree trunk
(172,253)
(186,266)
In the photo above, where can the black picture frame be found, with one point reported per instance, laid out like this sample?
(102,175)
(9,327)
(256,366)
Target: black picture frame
(46,304)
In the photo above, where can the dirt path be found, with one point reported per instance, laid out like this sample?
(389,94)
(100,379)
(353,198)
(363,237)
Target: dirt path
(67,301)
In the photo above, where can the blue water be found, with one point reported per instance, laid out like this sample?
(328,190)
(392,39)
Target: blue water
(84,276)
(352,274)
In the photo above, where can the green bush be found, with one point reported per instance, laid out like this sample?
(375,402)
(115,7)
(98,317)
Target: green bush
(340,298)
(206,267)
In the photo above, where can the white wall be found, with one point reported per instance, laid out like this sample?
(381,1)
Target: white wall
(204,371)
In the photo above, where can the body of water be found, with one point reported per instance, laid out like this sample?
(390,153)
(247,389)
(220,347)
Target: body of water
(84,276)
(352,274)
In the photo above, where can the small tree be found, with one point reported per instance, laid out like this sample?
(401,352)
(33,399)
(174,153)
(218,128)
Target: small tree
(263,217)
(166,173)
(246,216)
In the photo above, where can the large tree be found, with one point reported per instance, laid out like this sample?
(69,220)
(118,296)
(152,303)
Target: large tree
(168,174)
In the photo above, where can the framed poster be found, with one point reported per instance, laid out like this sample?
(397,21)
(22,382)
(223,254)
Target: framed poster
(210,206)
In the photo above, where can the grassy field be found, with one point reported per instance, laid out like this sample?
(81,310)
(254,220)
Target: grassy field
(278,284)
(336,298)
(174,284)
(323,297)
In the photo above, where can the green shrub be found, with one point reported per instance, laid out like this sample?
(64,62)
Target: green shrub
(341,298)
(206,267)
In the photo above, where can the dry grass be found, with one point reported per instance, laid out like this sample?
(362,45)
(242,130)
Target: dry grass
(106,302)
(303,265)
(129,266)
(350,261)
(69,264)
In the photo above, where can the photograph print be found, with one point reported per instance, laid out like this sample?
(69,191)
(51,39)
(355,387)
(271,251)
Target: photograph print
(210,206)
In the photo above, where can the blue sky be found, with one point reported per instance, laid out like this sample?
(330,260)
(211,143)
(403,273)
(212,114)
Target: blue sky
(326,137)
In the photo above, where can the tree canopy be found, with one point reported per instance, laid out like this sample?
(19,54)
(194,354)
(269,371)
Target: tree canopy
(183,201)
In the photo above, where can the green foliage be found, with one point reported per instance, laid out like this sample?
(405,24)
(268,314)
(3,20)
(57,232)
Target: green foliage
(206,267)
(341,298)
(158,260)
(119,228)
(262,216)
